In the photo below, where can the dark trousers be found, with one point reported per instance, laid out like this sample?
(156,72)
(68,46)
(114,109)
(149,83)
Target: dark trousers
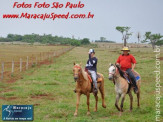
(131,75)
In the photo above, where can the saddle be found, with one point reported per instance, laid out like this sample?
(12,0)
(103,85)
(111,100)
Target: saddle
(137,77)
(99,78)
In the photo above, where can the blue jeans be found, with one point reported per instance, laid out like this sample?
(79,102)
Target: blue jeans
(131,75)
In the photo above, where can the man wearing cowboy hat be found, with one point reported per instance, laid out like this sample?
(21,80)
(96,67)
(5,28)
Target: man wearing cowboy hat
(91,66)
(127,63)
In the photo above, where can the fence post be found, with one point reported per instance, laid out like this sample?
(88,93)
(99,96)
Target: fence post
(27,63)
(12,66)
(54,54)
(32,59)
(49,55)
(2,71)
(36,60)
(40,57)
(20,64)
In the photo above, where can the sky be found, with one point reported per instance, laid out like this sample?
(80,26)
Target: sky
(140,15)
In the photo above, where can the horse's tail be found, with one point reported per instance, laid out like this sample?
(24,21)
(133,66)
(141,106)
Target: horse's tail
(102,91)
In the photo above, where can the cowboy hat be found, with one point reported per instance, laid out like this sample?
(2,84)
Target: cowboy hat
(125,49)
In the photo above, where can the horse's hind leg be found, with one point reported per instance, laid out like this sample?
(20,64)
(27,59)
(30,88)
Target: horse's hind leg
(96,98)
(102,95)
(77,104)
(138,98)
(131,100)
(117,100)
(88,95)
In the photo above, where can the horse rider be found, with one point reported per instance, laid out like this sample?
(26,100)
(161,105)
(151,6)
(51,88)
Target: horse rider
(91,66)
(128,63)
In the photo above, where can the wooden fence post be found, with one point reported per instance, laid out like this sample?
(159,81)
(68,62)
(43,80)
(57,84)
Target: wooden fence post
(40,57)
(2,71)
(12,72)
(36,60)
(20,64)
(32,59)
(27,63)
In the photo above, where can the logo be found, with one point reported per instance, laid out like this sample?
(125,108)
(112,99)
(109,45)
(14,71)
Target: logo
(17,112)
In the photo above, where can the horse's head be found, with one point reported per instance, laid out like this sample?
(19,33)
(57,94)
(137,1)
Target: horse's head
(76,71)
(112,71)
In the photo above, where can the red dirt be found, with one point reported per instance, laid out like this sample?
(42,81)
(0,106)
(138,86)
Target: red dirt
(8,98)
(161,58)
(7,90)
(36,104)
(43,96)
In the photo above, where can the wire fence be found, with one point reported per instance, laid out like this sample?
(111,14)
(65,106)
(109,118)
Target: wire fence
(11,71)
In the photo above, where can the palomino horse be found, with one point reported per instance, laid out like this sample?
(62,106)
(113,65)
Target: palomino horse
(83,86)
(122,86)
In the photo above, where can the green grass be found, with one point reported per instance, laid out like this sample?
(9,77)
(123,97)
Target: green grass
(50,89)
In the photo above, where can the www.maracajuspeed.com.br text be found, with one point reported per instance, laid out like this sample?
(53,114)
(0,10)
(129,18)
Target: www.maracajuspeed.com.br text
(52,16)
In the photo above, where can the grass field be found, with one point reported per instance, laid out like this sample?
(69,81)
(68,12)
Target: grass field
(50,89)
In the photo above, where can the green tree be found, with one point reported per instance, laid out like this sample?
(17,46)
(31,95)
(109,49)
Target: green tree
(85,41)
(125,33)
(102,39)
(153,38)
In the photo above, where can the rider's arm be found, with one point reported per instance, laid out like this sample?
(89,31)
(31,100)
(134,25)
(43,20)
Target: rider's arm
(91,60)
(133,62)
(133,66)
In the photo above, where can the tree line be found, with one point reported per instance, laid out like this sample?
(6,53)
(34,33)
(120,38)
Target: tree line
(44,39)
(154,39)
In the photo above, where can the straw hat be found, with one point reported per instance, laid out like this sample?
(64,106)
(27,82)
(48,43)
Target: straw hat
(125,49)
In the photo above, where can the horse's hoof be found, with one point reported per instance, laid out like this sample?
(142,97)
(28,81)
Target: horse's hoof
(104,106)
(75,114)
(75,91)
(120,114)
(88,113)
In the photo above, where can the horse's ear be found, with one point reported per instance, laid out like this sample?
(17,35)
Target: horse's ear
(110,64)
(74,63)
(117,65)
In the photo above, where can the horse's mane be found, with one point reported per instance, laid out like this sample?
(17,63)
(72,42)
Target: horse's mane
(120,71)
(83,72)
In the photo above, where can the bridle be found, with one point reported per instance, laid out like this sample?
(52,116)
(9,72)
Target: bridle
(114,74)
(77,74)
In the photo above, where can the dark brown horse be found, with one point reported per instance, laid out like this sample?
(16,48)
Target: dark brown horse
(83,86)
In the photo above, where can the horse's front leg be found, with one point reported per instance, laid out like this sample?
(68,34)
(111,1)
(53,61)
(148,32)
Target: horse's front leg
(122,101)
(77,104)
(96,98)
(117,100)
(88,95)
